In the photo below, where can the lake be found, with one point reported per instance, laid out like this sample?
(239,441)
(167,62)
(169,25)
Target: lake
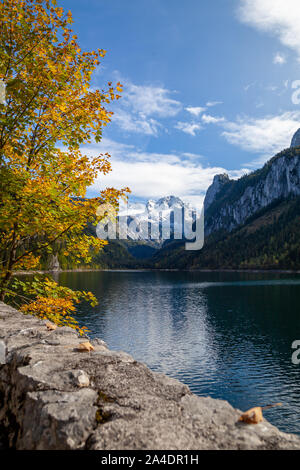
(226,335)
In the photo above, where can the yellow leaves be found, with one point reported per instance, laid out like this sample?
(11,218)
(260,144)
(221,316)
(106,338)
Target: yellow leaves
(69,17)
(52,68)
(59,12)
(119,87)
(53,302)
(70,73)
(63,107)
(29,262)
(42,187)
(55,309)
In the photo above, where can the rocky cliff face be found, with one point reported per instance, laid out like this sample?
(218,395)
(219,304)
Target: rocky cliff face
(296,139)
(217,184)
(54,263)
(229,203)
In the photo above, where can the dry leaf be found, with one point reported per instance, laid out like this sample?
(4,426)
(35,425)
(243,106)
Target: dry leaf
(50,326)
(86,347)
(252,416)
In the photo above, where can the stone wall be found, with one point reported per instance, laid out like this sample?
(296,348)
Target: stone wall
(54,397)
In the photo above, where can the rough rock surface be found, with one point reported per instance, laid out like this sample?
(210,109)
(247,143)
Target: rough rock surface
(296,139)
(214,188)
(54,263)
(55,397)
(279,179)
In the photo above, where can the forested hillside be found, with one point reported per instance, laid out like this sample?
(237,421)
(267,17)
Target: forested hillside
(268,240)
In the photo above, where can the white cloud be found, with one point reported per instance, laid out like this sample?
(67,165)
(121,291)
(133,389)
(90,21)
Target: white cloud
(278,17)
(213,103)
(142,105)
(195,110)
(279,59)
(150,100)
(191,155)
(188,127)
(120,151)
(193,127)
(152,175)
(266,136)
(109,146)
(208,119)
(136,123)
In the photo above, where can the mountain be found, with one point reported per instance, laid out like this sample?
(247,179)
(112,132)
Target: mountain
(218,182)
(296,139)
(139,248)
(250,223)
(270,239)
(234,201)
(158,214)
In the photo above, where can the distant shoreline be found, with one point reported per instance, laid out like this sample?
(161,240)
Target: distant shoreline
(273,271)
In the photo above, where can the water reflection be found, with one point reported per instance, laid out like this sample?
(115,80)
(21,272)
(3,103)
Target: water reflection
(227,335)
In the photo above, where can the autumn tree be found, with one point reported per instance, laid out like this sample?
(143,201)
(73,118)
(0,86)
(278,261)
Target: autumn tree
(48,113)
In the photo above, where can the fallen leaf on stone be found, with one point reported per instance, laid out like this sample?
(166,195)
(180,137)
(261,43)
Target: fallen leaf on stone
(252,416)
(86,347)
(255,415)
(50,326)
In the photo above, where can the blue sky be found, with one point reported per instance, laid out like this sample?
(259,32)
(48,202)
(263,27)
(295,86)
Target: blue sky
(207,88)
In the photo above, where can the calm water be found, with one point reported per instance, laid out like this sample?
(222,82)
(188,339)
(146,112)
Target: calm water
(227,335)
